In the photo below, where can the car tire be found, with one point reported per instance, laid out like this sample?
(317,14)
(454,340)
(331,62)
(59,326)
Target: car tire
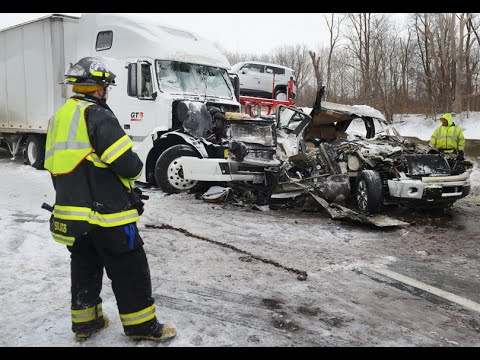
(34,151)
(281,95)
(168,170)
(369,192)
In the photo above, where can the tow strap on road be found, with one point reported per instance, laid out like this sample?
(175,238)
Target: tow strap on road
(302,275)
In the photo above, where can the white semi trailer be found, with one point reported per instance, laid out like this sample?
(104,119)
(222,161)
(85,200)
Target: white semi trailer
(157,67)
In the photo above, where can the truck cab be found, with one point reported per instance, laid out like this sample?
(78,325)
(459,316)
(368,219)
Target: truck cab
(157,67)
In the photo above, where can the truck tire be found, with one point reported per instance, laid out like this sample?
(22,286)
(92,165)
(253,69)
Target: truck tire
(281,95)
(168,170)
(34,151)
(368,192)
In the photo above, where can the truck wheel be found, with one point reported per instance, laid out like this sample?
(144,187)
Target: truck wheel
(369,193)
(168,170)
(34,151)
(281,95)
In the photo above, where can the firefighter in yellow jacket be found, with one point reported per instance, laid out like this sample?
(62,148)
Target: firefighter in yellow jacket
(448,137)
(93,169)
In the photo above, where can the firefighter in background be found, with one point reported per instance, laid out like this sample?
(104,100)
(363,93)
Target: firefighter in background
(93,169)
(448,137)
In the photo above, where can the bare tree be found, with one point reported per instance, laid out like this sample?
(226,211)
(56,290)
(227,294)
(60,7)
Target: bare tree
(471,59)
(317,68)
(460,63)
(334,30)
(432,67)
(385,67)
(359,35)
(405,55)
(424,35)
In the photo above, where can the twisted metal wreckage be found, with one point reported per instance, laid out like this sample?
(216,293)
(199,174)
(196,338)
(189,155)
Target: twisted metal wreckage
(346,159)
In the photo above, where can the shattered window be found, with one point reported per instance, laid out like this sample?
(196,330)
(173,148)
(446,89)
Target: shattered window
(146,85)
(183,78)
(289,119)
(361,128)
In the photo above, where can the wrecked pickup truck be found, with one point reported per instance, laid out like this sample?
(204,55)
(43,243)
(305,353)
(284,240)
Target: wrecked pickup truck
(341,154)
(350,153)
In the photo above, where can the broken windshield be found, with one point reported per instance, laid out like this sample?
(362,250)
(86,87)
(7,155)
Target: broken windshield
(289,118)
(182,78)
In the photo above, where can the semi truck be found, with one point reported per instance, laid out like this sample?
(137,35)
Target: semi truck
(159,70)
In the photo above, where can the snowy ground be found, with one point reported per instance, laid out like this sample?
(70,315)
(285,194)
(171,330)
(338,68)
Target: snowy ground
(246,292)
(422,127)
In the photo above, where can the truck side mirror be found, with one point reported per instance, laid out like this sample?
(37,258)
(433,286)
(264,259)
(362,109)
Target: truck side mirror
(132,88)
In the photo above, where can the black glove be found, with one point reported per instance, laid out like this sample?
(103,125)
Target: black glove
(139,192)
(136,202)
(139,205)
(461,156)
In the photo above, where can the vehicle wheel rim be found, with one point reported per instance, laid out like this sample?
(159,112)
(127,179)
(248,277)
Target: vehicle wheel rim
(281,97)
(175,176)
(32,153)
(362,197)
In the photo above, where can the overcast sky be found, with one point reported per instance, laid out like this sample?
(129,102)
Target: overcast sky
(253,32)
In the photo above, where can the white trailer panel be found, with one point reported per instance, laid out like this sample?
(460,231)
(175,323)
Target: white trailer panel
(3,82)
(32,63)
(38,90)
(16,101)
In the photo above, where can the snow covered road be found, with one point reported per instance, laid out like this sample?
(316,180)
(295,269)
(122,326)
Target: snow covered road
(218,296)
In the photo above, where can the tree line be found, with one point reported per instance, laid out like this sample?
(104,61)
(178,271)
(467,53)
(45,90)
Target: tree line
(429,65)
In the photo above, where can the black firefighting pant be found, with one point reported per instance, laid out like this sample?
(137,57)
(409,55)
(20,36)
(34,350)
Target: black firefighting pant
(126,265)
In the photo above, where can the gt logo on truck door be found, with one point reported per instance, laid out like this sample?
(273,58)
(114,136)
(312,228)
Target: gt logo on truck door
(136,116)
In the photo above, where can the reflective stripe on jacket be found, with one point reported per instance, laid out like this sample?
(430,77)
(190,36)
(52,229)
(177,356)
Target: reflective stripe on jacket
(127,182)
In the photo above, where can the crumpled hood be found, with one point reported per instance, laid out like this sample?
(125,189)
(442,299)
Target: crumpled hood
(378,148)
(418,162)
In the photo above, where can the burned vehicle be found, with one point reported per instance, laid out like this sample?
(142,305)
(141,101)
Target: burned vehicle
(351,154)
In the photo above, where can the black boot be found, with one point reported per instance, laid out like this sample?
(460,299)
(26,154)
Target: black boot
(83,333)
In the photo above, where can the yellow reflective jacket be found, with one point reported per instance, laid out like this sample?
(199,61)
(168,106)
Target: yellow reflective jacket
(448,138)
(89,157)
(67,141)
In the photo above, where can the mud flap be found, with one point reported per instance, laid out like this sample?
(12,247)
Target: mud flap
(337,211)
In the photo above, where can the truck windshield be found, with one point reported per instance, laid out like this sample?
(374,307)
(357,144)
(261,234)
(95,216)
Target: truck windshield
(182,78)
